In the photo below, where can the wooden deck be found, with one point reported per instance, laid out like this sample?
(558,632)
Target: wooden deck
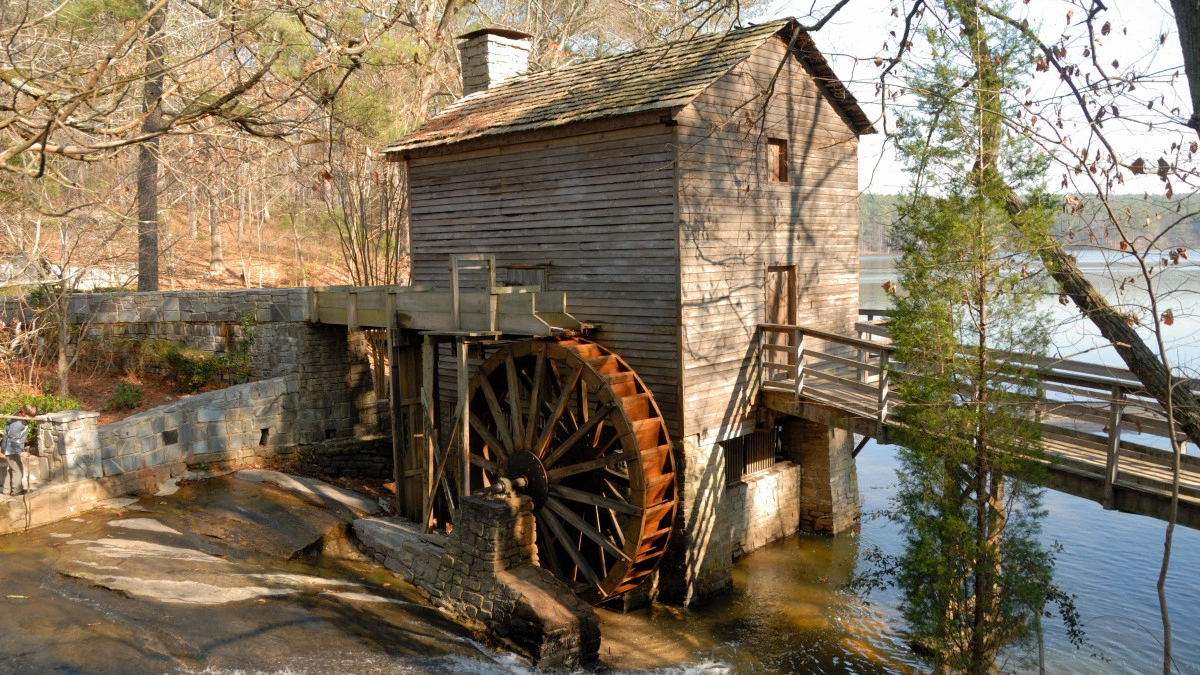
(1104,438)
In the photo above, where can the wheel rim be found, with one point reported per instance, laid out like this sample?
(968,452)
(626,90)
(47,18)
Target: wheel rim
(594,455)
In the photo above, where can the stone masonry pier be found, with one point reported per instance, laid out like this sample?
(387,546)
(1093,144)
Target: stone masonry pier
(485,574)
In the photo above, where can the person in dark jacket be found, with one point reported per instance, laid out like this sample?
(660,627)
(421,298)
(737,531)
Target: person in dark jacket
(16,432)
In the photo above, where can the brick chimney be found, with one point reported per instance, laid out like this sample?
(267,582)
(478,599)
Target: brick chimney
(491,56)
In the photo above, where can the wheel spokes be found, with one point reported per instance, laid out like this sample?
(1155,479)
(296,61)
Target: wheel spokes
(556,414)
(493,404)
(574,438)
(585,529)
(514,397)
(535,398)
(551,521)
(594,500)
(488,438)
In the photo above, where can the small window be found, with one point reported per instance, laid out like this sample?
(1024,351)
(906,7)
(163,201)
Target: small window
(526,275)
(777,160)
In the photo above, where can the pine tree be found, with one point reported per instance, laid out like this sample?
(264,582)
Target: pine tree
(974,575)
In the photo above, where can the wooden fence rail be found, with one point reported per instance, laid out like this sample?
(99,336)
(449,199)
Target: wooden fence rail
(1085,407)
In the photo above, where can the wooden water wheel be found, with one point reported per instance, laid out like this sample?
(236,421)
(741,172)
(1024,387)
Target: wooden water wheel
(577,429)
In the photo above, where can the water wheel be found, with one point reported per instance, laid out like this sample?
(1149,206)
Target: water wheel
(577,429)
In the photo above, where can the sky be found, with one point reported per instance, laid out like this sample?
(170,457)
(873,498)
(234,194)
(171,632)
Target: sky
(857,34)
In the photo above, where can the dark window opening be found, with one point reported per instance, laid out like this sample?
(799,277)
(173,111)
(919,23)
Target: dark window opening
(751,454)
(777,160)
(526,275)
(330,433)
(262,440)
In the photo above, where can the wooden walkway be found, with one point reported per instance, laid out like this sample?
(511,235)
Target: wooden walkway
(1103,436)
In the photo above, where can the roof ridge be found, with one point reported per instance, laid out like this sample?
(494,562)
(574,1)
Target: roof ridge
(650,79)
(629,55)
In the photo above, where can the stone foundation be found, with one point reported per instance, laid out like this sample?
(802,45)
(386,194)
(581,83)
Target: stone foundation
(698,563)
(829,489)
(485,575)
(764,507)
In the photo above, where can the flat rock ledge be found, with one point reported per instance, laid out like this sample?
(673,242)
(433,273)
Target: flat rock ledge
(485,575)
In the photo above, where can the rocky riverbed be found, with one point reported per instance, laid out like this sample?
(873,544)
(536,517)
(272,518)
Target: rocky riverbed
(223,576)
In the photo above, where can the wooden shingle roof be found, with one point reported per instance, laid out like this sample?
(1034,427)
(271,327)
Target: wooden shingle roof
(646,80)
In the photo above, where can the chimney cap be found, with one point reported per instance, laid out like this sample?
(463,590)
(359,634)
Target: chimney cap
(502,32)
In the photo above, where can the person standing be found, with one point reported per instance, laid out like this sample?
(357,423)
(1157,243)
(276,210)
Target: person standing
(16,433)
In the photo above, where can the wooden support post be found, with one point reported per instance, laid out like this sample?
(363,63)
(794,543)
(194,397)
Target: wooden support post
(428,389)
(395,410)
(314,305)
(464,422)
(352,310)
(1115,412)
(493,298)
(884,391)
(764,373)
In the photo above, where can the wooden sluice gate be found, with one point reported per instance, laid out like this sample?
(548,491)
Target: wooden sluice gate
(537,406)
(1087,416)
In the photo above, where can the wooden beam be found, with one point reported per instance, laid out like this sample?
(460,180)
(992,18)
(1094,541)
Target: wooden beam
(463,421)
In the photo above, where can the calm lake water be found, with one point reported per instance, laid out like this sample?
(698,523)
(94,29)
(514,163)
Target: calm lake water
(790,611)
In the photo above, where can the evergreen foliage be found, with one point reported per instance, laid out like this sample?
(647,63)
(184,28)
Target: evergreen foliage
(974,576)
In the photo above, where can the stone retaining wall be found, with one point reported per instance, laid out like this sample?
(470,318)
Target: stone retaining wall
(353,457)
(485,574)
(764,507)
(239,424)
(335,382)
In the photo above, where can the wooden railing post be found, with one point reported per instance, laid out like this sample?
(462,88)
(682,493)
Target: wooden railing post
(799,337)
(884,387)
(763,359)
(1115,412)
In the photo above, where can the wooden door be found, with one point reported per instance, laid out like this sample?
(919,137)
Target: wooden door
(781,300)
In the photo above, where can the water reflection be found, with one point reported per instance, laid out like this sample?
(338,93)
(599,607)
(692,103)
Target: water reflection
(788,612)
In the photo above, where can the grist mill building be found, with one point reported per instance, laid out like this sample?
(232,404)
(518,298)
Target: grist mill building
(680,197)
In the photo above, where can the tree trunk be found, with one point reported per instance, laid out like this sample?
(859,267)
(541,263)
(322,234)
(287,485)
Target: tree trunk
(1187,19)
(299,251)
(64,341)
(216,263)
(147,171)
(193,216)
(1119,330)
(1116,327)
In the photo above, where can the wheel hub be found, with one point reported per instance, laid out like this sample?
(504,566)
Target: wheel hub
(525,464)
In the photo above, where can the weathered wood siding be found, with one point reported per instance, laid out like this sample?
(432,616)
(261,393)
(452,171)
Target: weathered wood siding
(598,208)
(734,223)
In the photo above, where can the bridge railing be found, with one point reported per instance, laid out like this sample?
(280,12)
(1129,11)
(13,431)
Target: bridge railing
(846,372)
(1088,406)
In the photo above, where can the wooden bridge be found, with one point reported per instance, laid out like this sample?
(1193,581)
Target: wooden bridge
(1098,423)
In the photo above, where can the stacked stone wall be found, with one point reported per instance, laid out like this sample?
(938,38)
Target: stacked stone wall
(764,507)
(486,575)
(238,425)
(353,457)
(336,389)
(698,563)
